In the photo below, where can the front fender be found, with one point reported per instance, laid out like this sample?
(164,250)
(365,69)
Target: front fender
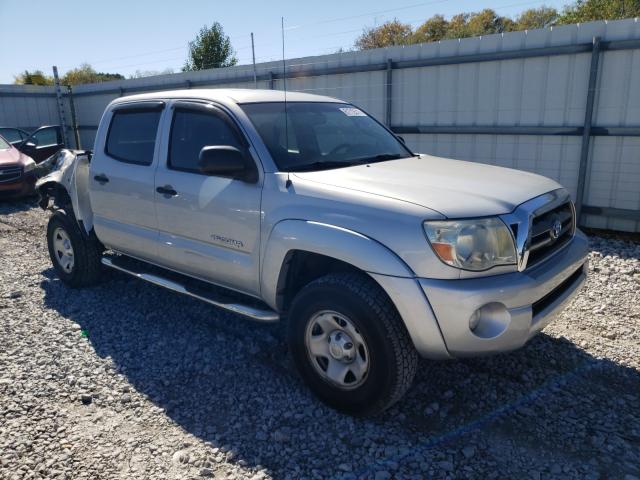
(385,267)
(336,242)
(69,179)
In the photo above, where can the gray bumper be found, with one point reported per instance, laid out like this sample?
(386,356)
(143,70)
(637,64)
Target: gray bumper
(516,305)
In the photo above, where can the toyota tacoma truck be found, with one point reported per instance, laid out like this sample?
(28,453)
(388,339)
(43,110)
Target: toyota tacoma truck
(306,209)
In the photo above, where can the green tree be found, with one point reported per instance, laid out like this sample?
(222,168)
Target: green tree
(486,22)
(536,18)
(86,74)
(590,10)
(387,34)
(458,27)
(210,49)
(432,30)
(37,77)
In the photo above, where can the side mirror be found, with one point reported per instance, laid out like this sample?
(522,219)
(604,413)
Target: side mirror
(226,161)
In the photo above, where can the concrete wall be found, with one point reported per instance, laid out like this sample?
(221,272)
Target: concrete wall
(475,88)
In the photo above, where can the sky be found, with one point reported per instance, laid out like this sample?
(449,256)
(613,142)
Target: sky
(119,36)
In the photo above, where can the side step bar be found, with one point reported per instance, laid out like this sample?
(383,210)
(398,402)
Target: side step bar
(253,312)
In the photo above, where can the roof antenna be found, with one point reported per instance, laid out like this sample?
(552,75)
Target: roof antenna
(286,116)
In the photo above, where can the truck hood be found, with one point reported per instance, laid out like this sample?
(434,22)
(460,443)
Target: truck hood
(453,188)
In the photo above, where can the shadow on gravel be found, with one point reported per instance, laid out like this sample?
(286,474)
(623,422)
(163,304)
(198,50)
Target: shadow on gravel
(13,205)
(549,408)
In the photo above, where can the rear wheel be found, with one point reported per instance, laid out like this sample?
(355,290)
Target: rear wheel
(350,345)
(75,257)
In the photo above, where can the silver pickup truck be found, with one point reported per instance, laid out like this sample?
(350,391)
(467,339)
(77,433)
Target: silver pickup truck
(308,210)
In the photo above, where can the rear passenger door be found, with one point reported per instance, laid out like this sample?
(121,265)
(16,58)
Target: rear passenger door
(209,226)
(121,179)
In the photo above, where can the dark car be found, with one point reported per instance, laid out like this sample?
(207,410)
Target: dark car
(39,144)
(17,171)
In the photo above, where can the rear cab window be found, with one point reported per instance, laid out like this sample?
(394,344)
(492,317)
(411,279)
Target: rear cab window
(132,134)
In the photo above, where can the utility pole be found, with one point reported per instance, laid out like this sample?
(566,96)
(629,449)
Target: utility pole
(63,123)
(253,53)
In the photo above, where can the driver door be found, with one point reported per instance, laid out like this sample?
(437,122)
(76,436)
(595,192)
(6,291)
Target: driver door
(209,226)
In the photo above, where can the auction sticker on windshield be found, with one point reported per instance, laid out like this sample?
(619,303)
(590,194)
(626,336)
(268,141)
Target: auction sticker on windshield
(353,112)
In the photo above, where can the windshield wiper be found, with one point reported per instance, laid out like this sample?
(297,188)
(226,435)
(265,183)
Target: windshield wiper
(328,165)
(380,158)
(308,167)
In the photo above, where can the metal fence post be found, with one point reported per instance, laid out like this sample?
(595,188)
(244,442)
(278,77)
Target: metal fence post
(63,123)
(586,132)
(271,80)
(74,122)
(389,91)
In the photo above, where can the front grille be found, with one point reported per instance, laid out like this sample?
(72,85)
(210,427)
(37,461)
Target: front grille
(10,174)
(549,232)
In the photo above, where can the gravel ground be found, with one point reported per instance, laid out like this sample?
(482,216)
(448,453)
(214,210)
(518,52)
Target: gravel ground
(126,380)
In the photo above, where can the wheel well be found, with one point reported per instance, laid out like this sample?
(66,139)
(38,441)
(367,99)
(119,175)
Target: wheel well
(300,268)
(61,198)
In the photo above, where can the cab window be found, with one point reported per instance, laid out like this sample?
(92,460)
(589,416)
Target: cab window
(132,136)
(193,129)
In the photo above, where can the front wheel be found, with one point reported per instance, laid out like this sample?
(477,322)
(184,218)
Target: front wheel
(350,345)
(75,257)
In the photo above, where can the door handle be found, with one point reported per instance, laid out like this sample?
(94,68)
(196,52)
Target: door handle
(101,179)
(167,191)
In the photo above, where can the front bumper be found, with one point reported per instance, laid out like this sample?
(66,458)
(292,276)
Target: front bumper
(21,187)
(517,305)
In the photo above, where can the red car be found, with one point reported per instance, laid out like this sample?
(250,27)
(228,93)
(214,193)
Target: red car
(17,171)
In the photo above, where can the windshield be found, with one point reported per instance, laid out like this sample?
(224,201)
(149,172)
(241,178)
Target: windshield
(3,144)
(321,136)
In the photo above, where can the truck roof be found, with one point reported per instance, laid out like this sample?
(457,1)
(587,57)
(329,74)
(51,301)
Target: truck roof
(235,95)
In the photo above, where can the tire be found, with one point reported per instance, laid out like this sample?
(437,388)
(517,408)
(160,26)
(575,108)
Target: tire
(83,267)
(365,314)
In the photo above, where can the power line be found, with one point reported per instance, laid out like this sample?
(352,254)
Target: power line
(231,37)
(378,12)
(292,31)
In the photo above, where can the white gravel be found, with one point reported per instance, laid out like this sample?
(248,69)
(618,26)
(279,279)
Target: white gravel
(126,380)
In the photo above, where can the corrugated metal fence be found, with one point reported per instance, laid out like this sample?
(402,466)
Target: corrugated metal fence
(563,102)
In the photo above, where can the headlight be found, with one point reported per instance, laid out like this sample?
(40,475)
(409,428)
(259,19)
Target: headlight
(29,165)
(476,244)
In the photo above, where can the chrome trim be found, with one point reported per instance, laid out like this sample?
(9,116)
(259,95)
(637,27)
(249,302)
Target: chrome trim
(523,217)
(253,313)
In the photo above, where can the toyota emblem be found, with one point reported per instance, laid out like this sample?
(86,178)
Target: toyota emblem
(556,229)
